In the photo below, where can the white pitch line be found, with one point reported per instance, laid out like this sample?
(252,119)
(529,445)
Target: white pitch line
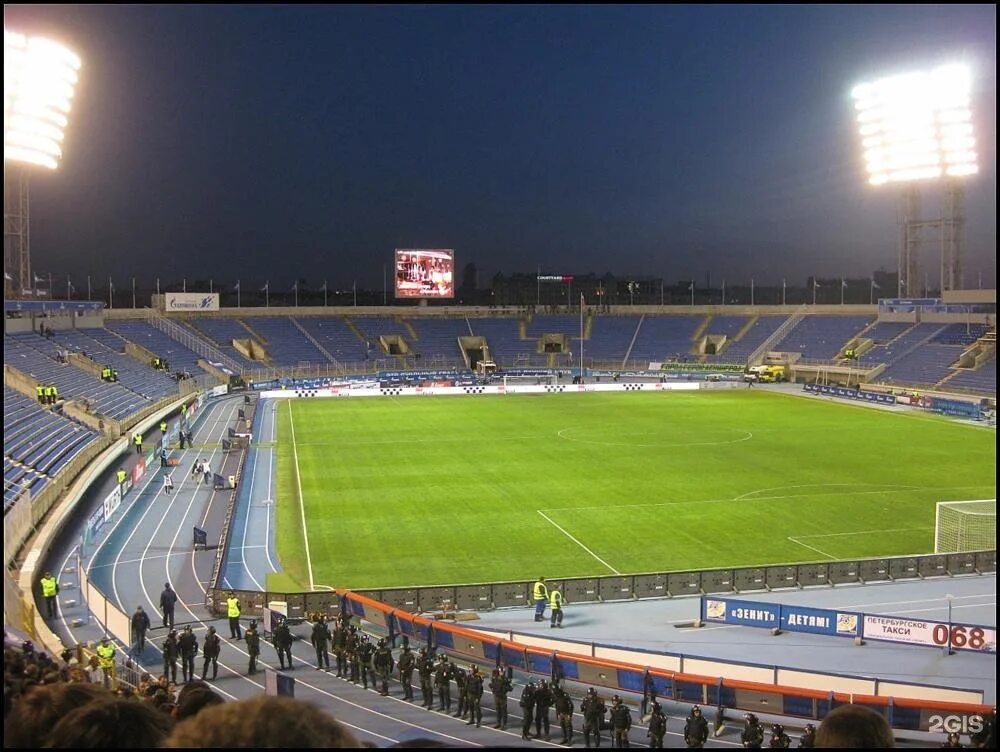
(563,531)
(812,548)
(302,506)
(865,532)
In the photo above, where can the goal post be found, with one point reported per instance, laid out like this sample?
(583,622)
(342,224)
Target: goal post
(530,380)
(965,526)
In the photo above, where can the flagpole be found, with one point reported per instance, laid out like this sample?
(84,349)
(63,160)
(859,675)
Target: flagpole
(751,291)
(814,291)
(210,289)
(133,293)
(184,284)
(157,285)
(383,285)
(538,286)
(871,292)
(723,292)
(581,336)
(354,288)
(782,291)
(111,293)
(88,287)
(843,284)
(69,287)
(692,293)
(324,293)
(237,293)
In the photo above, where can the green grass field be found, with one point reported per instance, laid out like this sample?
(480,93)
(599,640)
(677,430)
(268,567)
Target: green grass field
(446,490)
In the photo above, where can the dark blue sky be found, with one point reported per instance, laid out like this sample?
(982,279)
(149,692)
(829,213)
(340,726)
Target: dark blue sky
(262,142)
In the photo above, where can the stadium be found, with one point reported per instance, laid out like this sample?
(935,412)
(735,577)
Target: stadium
(769,499)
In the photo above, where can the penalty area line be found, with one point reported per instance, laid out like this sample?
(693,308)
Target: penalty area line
(812,548)
(563,531)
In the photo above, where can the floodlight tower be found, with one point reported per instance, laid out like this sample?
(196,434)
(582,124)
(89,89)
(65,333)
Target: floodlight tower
(38,81)
(916,129)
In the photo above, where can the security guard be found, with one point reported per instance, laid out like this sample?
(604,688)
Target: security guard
(564,714)
(556,604)
(543,701)
(163,427)
(233,612)
(283,644)
(527,707)
(187,643)
(320,639)
(365,653)
(170,654)
(695,729)
(340,649)
(106,656)
(40,393)
(407,663)
(138,442)
(425,670)
(474,696)
(442,680)
(657,726)
(383,663)
(621,722)
(593,711)
(500,686)
(540,594)
(253,646)
(779,739)
(50,395)
(50,589)
(121,475)
(753,733)
(213,646)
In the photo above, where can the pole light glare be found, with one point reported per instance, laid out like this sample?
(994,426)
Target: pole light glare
(917,126)
(39,77)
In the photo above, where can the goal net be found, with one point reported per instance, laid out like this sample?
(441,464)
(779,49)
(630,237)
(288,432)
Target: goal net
(965,526)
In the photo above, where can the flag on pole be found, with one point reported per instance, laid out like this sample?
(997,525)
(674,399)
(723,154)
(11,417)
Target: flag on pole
(237,285)
(691,286)
(843,282)
(323,288)
(815,282)
(875,285)
(266,286)
(295,286)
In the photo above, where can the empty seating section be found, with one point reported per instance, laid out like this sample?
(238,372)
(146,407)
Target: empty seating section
(142,379)
(503,338)
(927,364)
(285,342)
(610,337)
(541,324)
(335,337)
(37,443)
(884,331)
(438,337)
(728,325)
(982,379)
(221,332)
(665,338)
(372,327)
(821,337)
(148,336)
(961,334)
(900,345)
(113,400)
(739,351)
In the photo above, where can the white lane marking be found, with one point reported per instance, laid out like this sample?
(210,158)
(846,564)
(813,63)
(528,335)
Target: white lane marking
(563,531)
(812,548)
(746,437)
(302,507)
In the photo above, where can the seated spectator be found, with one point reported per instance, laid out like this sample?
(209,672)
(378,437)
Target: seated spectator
(37,711)
(262,721)
(111,724)
(854,726)
(193,697)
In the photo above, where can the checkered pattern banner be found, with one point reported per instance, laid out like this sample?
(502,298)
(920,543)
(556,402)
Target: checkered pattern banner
(555,388)
(472,389)
(305,392)
(632,387)
(394,391)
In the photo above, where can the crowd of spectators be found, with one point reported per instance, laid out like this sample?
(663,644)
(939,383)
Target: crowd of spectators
(66,703)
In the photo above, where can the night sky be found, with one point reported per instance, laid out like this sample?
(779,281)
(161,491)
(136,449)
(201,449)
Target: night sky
(258,142)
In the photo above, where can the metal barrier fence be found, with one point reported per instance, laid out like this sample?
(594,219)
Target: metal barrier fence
(488,596)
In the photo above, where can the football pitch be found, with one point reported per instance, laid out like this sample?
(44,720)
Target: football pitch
(396,492)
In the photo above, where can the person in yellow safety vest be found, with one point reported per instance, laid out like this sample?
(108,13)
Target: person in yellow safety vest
(138,443)
(121,475)
(540,594)
(55,393)
(163,427)
(556,604)
(50,393)
(106,656)
(40,391)
(106,373)
(50,589)
(233,612)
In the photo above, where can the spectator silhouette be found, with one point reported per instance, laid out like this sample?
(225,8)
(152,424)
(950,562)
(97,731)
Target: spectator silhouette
(42,706)
(111,724)
(262,721)
(855,727)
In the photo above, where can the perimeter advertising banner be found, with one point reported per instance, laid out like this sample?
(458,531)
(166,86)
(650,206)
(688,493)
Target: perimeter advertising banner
(191,301)
(425,273)
(787,617)
(931,633)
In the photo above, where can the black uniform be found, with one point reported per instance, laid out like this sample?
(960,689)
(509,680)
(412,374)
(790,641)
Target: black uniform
(657,727)
(564,714)
(211,650)
(474,696)
(283,644)
(593,711)
(340,648)
(543,701)
(188,645)
(406,665)
(253,647)
(321,640)
(365,653)
(528,708)
(140,625)
(621,722)
(461,677)
(500,686)
(425,670)
(170,654)
(695,729)
(808,738)
(442,680)
(753,733)
(779,739)
(168,599)
(383,663)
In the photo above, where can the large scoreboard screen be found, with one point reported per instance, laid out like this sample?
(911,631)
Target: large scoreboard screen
(424,273)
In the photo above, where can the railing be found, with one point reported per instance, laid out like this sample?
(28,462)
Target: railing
(758,355)
(189,340)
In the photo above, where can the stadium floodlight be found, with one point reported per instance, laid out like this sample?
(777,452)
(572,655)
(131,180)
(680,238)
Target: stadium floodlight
(39,77)
(917,126)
